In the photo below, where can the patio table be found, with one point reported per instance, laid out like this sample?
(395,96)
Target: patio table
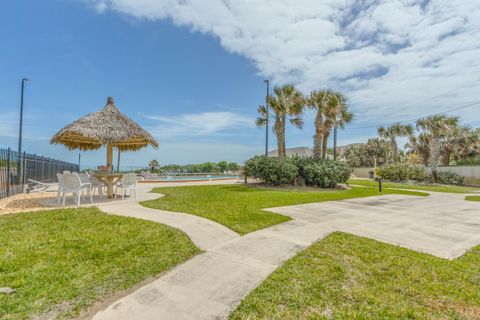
(109,179)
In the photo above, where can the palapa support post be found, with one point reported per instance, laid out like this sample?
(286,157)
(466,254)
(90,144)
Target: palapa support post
(110,156)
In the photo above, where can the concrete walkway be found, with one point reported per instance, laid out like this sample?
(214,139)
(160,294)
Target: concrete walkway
(212,284)
(205,233)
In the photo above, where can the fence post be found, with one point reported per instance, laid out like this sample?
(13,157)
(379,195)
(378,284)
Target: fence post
(8,172)
(43,167)
(24,168)
(34,173)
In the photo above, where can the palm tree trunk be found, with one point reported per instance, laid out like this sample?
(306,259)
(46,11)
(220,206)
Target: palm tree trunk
(435,156)
(393,144)
(446,155)
(317,138)
(280,133)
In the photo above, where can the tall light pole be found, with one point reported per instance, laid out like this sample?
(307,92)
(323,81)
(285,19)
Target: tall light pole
(21,117)
(20,164)
(267,115)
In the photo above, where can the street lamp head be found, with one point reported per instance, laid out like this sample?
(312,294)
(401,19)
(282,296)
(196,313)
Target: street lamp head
(266,81)
(25,79)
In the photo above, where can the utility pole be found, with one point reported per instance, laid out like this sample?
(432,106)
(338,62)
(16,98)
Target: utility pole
(267,116)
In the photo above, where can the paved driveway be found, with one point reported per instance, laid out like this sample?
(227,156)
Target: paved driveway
(441,224)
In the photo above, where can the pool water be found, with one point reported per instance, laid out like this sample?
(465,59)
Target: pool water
(191,178)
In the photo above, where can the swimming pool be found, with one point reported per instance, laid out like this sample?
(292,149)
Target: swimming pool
(187,178)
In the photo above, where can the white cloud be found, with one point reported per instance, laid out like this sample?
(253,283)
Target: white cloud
(198,124)
(384,54)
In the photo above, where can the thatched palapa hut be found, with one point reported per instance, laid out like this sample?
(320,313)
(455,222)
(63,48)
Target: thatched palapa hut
(106,127)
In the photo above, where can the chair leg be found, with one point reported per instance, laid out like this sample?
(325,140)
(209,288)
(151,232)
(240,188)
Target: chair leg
(91,194)
(78,198)
(63,195)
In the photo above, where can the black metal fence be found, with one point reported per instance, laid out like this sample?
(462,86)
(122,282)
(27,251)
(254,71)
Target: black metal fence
(16,170)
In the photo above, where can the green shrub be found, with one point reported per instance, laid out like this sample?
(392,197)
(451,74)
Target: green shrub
(326,174)
(272,171)
(449,177)
(401,172)
(287,171)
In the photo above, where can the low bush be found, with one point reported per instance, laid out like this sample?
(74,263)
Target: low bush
(326,174)
(449,177)
(401,172)
(288,171)
(273,171)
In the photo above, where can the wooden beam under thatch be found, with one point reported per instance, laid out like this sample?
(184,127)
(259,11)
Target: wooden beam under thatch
(105,127)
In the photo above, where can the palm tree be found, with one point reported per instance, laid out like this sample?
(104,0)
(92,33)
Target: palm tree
(336,115)
(153,165)
(438,127)
(457,140)
(317,101)
(391,133)
(287,102)
(420,145)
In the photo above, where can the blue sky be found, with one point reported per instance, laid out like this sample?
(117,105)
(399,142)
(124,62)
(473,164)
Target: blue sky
(192,72)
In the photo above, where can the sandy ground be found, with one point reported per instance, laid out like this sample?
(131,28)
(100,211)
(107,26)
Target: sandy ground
(25,202)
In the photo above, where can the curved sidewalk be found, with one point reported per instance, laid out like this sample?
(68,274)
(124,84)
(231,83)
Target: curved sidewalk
(205,233)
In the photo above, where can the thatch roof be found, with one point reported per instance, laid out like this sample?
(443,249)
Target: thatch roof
(107,126)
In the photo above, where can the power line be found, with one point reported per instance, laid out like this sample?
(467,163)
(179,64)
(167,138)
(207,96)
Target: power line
(425,100)
(411,120)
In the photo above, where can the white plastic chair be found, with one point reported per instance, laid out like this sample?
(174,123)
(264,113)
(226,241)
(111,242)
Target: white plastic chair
(96,184)
(73,184)
(60,186)
(128,182)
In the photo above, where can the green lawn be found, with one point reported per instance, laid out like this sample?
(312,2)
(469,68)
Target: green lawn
(239,207)
(416,186)
(349,277)
(472,198)
(62,261)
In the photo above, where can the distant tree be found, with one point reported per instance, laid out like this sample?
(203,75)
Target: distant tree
(286,103)
(438,127)
(233,166)
(420,146)
(222,166)
(464,143)
(153,165)
(377,151)
(367,154)
(356,155)
(391,133)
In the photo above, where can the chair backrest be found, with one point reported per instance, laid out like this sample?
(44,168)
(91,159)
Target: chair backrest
(83,177)
(71,182)
(60,180)
(129,179)
(66,172)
